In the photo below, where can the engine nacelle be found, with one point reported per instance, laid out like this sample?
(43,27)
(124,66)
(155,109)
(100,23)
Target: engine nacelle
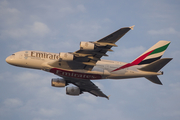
(87,46)
(73,91)
(66,56)
(57,82)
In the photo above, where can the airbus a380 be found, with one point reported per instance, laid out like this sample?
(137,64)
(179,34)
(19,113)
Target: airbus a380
(85,64)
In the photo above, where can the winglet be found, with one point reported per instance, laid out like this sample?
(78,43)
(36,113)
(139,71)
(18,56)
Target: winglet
(108,97)
(132,27)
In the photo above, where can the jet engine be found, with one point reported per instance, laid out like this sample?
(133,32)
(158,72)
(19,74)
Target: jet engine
(73,91)
(66,56)
(87,46)
(57,82)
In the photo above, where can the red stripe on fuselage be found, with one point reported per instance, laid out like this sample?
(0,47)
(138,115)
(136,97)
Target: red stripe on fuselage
(135,62)
(67,73)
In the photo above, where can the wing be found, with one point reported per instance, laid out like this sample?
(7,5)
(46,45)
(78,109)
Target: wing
(87,86)
(86,59)
(89,57)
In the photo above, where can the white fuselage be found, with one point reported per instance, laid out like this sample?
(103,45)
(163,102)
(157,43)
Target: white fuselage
(102,70)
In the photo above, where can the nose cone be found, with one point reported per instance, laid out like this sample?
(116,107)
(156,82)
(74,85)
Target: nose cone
(7,59)
(10,59)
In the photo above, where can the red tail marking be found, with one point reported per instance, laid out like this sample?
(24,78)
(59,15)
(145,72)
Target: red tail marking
(135,62)
(139,59)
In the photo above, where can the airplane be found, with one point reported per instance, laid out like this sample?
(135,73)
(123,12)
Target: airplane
(84,65)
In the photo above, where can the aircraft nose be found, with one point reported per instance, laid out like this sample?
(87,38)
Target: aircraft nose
(8,59)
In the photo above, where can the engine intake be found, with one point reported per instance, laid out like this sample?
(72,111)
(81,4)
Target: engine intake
(57,82)
(66,56)
(73,91)
(87,46)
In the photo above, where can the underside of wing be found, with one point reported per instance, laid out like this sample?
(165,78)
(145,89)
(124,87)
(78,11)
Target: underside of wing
(87,86)
(91,52)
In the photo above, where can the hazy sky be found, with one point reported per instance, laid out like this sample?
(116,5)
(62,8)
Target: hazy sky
(59,26)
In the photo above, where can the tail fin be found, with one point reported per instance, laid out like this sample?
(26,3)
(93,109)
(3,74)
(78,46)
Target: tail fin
(152,54)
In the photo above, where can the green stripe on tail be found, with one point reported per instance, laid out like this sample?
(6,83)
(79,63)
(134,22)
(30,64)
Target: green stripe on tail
(161,49)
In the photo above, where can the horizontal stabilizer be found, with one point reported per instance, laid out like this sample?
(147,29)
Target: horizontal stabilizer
(154,79)
(157,65)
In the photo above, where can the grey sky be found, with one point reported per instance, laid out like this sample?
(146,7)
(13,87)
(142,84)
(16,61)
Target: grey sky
(59,26)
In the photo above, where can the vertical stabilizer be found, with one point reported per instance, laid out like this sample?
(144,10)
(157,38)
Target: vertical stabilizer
(152,54)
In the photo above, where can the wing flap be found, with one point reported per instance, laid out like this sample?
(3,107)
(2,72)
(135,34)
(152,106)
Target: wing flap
(105,44)
(89,63)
